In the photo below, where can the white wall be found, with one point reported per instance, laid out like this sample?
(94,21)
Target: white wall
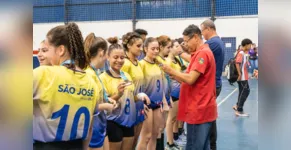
(240,27)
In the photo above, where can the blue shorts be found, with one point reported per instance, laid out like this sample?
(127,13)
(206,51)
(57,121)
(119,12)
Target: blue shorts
(98,131)
(139,105)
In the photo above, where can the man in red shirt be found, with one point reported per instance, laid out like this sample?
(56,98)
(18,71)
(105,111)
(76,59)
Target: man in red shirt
(197,104)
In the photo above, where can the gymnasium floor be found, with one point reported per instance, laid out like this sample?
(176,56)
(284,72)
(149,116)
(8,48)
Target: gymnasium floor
(237,133)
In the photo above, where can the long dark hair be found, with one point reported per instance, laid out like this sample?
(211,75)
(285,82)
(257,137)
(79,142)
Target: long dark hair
(71,37)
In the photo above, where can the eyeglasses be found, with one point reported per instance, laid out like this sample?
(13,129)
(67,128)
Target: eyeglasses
(203,29)
(191,36)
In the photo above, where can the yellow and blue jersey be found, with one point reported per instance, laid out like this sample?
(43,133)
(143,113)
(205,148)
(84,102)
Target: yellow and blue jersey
(175,85)
(136,74)
(99,120)
(64,102)
(135,71)
(153,82)
(125,113)
(166,79)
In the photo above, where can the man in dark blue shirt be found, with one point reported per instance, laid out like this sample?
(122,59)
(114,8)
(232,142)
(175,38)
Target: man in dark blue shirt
(216,45)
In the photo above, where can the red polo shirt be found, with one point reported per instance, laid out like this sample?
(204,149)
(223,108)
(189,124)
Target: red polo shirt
(197,103)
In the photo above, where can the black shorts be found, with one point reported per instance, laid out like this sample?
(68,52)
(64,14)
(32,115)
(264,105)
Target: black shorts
(68,145)
(116,132)
(174,99)
(153,106)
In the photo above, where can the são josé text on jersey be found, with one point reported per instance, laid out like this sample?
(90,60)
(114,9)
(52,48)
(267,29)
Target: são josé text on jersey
(71,90)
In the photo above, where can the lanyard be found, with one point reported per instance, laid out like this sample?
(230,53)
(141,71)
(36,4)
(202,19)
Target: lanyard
(181,61)
(122,75)
(67,62)
(169,82)
(104,92)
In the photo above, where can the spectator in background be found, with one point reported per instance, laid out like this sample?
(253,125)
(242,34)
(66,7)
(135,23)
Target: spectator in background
(239,48)
(216,45)
(143,33)
(197,104)
(253,58)
(42,54)
(241,66)
(256,74)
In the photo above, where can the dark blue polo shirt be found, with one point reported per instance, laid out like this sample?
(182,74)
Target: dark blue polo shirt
(217,47)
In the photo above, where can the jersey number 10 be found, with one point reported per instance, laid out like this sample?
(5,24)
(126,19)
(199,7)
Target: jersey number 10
(63,114)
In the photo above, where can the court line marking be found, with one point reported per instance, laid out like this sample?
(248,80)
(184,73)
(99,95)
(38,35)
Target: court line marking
(227,97)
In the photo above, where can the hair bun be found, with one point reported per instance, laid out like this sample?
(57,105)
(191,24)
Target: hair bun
(113,40)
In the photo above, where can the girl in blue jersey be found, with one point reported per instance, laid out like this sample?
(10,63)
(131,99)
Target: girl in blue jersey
(62,93)
(132,44)
(154,88)
(120,123)
(172,124)
(165,44)
(96,48)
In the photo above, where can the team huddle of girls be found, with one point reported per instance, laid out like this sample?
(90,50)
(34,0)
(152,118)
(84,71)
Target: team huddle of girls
(80,105)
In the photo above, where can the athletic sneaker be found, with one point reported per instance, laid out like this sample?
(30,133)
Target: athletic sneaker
(183,137)
(172,147)
(180,142)
(241,114)
(234,108)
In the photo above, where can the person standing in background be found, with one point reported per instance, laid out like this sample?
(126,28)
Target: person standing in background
(242,81)
(143,33)
(239,48)
(216,45)
(41,55)
(253,58)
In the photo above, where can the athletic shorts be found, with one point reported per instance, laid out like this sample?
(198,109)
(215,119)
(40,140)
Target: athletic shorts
(116,132)
(153,106)
(174,99)
(61,145)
